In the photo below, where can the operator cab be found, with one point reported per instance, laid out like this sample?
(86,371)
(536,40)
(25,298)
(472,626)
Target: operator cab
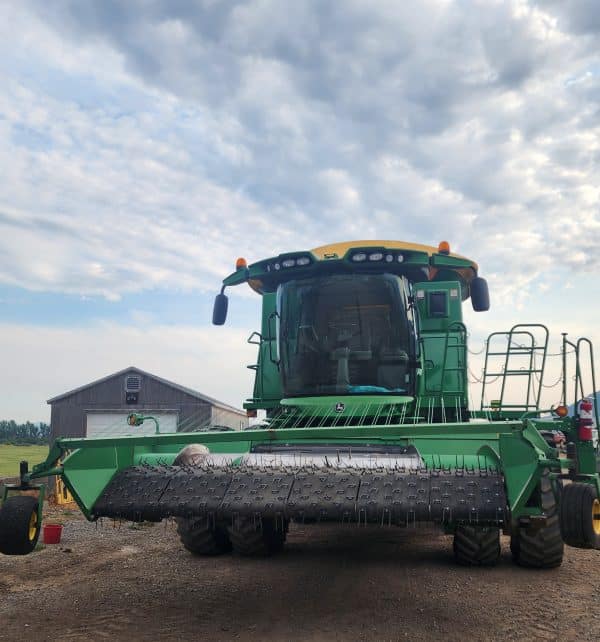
(345,334)
(341,321)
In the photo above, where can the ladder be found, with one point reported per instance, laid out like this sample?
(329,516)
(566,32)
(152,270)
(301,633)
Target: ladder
(456,339)
(521,360)
(445,400)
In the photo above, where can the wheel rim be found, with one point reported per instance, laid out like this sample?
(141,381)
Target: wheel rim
(33,523)
(596,516)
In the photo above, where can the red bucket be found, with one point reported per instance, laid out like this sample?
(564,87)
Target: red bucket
(52,533)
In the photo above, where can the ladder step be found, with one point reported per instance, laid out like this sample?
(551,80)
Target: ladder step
(510,373)
(514,351)
(506,406)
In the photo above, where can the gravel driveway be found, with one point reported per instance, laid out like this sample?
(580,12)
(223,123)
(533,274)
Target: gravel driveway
(330,583)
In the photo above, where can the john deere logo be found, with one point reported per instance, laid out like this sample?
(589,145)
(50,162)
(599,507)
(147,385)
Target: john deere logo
(339,406)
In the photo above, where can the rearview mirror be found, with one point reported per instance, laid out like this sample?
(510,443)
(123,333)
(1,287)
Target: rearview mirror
(480,295)
(220,309)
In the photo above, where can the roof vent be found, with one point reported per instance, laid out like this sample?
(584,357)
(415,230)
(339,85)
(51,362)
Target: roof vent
(133,383)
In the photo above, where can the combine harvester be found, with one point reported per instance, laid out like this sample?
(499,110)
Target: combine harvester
(362,374)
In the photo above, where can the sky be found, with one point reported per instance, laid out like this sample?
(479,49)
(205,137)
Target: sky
(145,145)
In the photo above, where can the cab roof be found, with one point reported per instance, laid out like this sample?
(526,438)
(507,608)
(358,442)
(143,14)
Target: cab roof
(341,248)
(415,261)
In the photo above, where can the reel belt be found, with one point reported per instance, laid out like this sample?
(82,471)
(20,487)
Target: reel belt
(338,494)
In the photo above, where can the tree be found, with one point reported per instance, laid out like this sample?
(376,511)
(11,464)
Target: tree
(28,433)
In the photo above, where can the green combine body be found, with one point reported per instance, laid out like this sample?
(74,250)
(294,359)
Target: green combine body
(361,377)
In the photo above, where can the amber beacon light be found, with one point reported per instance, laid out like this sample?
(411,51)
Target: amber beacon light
(444,247)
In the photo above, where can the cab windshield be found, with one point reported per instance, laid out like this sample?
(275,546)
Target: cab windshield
(345,334)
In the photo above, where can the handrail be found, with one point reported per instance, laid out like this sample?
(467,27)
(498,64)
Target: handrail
(461,330)
(533,396)
(578,376)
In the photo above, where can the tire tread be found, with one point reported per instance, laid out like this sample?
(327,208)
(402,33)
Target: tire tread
(476,546)
(256,538)
(200,537)
(544,547)
(576,516)
(14,525)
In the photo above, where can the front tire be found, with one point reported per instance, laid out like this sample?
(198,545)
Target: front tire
(200,537)
(542,547)
(476,545)
(19,525)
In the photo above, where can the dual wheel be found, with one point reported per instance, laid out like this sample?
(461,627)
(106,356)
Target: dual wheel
(19,525)
(541,547)
(245,535)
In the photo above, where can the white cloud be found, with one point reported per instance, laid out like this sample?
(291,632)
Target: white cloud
(252,127)
(146,145)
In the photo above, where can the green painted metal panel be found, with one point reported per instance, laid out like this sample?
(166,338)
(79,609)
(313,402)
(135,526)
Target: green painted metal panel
(439,305)
(520,463)
(513,446)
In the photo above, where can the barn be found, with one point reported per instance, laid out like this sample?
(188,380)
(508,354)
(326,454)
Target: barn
(100,408)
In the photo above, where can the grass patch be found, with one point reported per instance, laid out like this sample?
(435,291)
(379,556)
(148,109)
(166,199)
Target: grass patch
(10,456)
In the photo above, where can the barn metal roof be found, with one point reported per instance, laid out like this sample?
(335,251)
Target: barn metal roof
(166,382)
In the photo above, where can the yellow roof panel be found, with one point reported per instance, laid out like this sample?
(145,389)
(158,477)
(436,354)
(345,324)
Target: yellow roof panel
(341,248)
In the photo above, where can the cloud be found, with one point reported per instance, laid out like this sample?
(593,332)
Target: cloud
(145,145)
(578,16)
(261,127)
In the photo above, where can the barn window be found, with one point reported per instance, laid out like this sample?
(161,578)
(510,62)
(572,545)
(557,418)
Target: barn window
(133,383)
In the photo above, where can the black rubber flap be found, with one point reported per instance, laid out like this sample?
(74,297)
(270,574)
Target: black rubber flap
(374,496)
(389,497)
(134,494)
(195,491)
(324,495)
(467,496)
(260,492)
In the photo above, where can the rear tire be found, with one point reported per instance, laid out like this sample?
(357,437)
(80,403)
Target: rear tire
(542,547)
(200,537)
(19,525)
(255,537)
(580,516)
(477,545)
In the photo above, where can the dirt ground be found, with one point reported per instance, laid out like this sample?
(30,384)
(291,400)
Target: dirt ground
(330,583)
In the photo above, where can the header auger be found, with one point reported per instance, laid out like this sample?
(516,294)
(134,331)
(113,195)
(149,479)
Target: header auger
(361,376)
